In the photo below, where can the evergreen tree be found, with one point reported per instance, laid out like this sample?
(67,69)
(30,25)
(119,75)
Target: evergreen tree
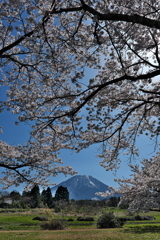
(35,196)
(43,196)
(62,194)
(47,197)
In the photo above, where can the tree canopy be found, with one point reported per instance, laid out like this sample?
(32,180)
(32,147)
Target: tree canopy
(47,49)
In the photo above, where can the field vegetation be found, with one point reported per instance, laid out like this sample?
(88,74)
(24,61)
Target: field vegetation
(18,224)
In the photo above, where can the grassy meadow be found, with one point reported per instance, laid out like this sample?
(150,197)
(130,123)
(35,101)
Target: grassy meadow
(19,224)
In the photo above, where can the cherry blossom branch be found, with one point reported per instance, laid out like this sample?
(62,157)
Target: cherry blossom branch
(122,17)
(15,43)
(110,17)
(99,88)
(151,92)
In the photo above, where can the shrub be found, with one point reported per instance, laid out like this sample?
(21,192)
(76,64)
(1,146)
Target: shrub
(108,220)
(54,224)
(85,219)
(40,218)
(70,220)
(57,209)
(144,218)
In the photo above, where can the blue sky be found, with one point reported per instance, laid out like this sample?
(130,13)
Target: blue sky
(85,162)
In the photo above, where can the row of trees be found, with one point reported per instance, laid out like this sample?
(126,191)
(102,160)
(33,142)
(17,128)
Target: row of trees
(33,198)
(47,48)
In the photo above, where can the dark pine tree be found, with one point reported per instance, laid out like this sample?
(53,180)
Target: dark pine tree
(62,194)
(47,197)
(35,196)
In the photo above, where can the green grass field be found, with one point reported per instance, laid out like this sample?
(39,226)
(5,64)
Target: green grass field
(19,225)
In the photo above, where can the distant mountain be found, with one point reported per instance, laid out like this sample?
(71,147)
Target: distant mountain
(82,187)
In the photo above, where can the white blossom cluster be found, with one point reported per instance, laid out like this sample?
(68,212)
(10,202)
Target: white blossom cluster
(31,163)
(141,192)
(46,49)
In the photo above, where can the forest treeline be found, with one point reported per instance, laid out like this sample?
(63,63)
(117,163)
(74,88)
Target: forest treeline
(44,199)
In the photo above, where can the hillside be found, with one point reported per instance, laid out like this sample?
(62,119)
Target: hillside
(82,187)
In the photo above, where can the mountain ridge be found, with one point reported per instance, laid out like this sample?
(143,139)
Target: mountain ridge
(82,187)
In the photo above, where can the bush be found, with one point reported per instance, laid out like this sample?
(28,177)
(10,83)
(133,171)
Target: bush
(40,218)
(54,224)
(57,209)
(85,219)
(144,218)
(108,220)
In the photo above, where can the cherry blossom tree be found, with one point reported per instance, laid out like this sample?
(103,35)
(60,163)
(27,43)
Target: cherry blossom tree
(141,192)
(31,163)
(47,49)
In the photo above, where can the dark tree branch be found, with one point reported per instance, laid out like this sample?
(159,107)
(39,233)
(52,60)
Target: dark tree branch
(15,43)
(135,18)
(73,112)
(151,92)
